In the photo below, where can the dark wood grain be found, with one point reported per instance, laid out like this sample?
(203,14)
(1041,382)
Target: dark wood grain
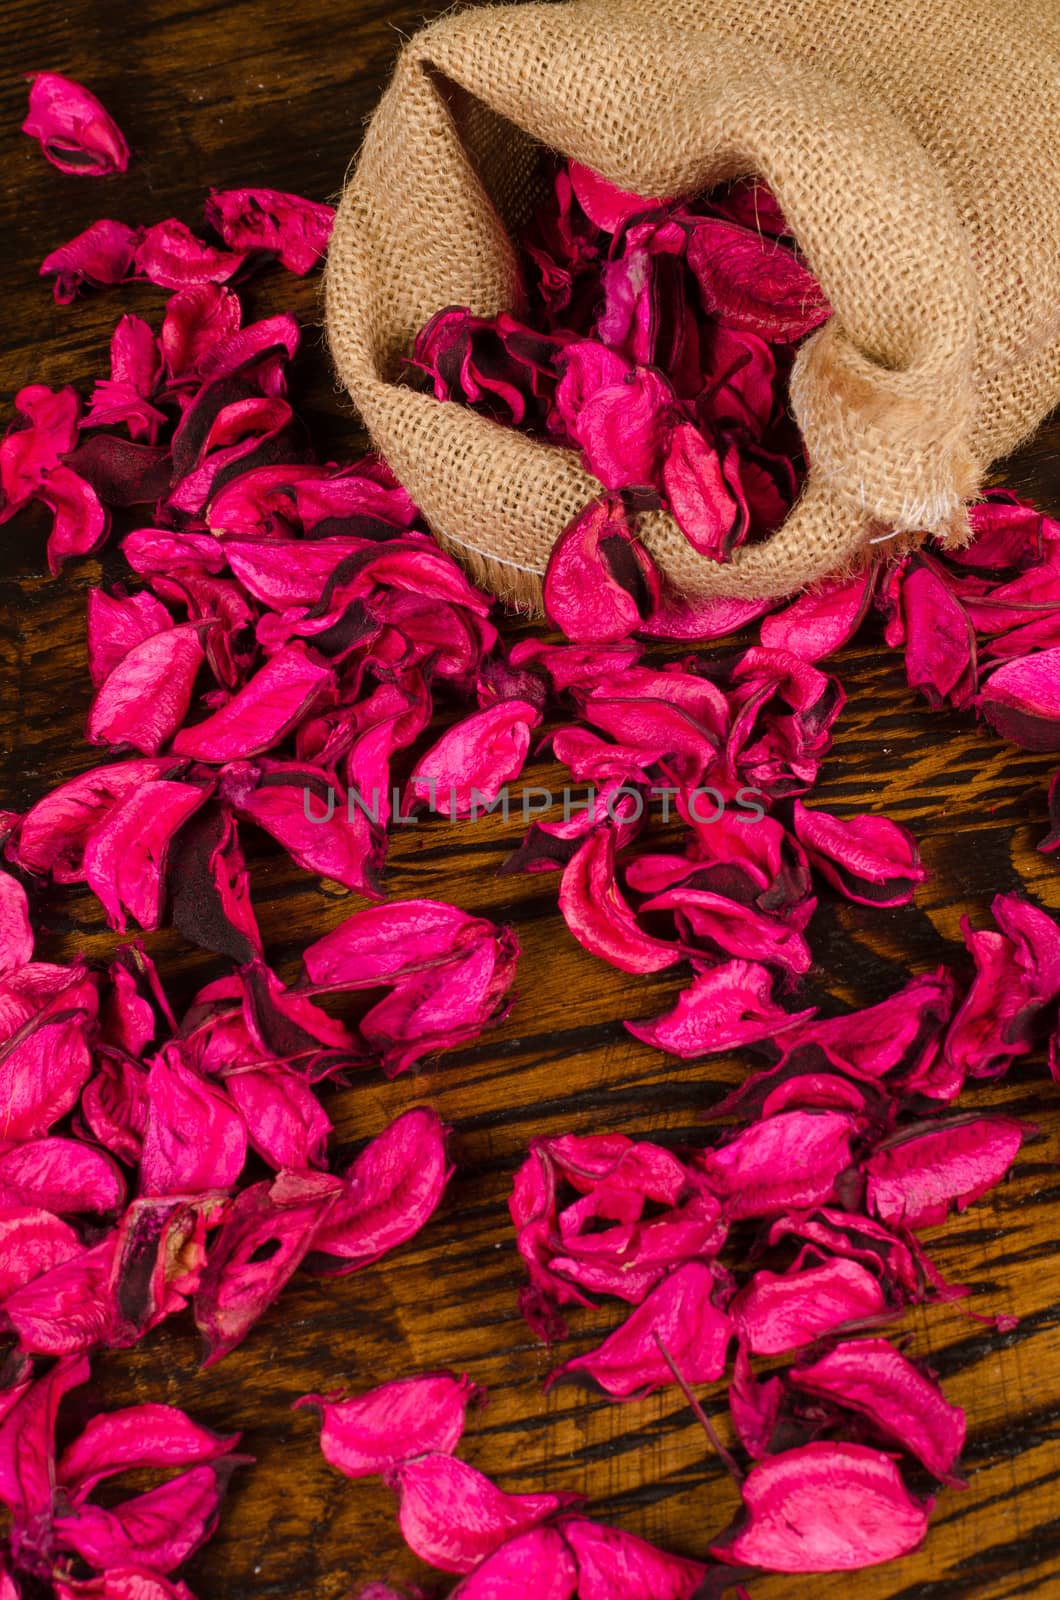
(272,92)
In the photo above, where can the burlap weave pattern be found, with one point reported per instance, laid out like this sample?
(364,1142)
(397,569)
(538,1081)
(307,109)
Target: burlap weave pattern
(914,146)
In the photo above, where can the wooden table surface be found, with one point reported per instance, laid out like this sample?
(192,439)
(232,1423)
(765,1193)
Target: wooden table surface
(274,92)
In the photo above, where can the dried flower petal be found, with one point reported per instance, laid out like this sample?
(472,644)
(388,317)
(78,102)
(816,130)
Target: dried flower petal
(368,1434)
(74,130)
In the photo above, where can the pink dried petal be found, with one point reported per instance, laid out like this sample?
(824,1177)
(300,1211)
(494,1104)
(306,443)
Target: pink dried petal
(161,1528)
(789,1162)
(600,583)
(439,1009)
(628,1260)
(312,816)
(614,1565)
(453,1517)
(209,887)
(195,1138)
(286,1124)
(125,855)
(263,1239)
(599,916)
(27,1440)
(783,1311)
(16,935)
(465,770)
(125,398)
(75,132)
(63,1175)
(917,1176)
(197,319)
(32,1242)
(940,640)
(158,1261)
(681,1313)
(170,255)
(388,943)
(712,518)
(35,445)
(114,1106)
(67,1310)
(754,1407)
(618,413)
(100,257)
(870,859)
(539,1563)
(821,621)
(46,1061)
(80,523)
(722,927)
(388,1193)
(116,624)
(900,1034)
(723,1009)
(1021,701)
(368,1434)
(754,283)
(606,205)
(145,698)
(262,712)
(678,617)
(296,230)
(51,836)
(140,1436)
(825,1508)
(872,1377)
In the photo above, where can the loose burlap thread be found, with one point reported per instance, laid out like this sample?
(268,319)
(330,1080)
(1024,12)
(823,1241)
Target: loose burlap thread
(914,147)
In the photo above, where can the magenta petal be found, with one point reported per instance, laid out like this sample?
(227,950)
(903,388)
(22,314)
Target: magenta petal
(453,1517)
(789,1162)
(45,1063)
(600,584)
(538,1563)
(169,254)
(783,1311)
(196,1138)
(140,1436)
(614,1565)
(872,1377)
(144,699)
(63,1175)
(388,943)
(1021,701)
(16,935)
(681,1313)
(389,1192)
(286,1123)
(263,1239)
(604,203)
(868,858)
(296,230)
(32,1242)
(599,916)
(117,623)
(68,1309)
(52,834)
(314,818)
(121,1583)
(161,1528)
(101,256)
(826,1508)
(125,856)
(80,523)
(74,130)
(723,1009)
(464,772)
(940,640)
(821,621)
(368,1434)
(706,511)
(27,1440)
(262,712)
(915,1177)
(754,283)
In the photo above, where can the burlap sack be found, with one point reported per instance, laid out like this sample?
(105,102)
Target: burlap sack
(914,146)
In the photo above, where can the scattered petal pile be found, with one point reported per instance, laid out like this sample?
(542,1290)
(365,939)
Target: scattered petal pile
(291,652)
